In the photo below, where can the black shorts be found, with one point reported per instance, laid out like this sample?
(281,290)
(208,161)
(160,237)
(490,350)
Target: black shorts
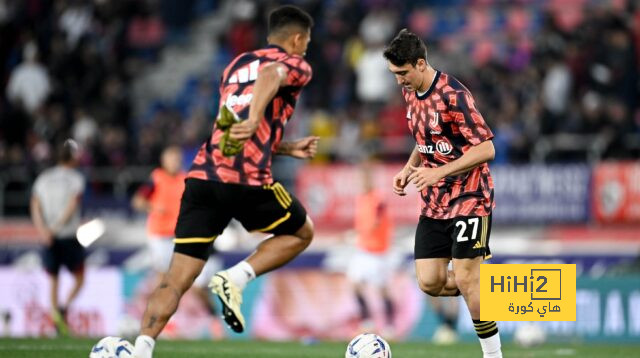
(207,207)
(66,252)
(460,238)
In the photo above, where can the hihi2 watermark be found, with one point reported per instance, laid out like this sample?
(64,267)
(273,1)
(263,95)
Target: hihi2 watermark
(528,292)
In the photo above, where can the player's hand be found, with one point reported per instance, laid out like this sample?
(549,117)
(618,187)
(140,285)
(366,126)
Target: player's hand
(304,148)
(244,130)
(48,235)
(400,181)
(423,177)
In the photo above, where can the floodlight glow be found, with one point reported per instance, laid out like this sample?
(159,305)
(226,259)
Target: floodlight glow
(90,231)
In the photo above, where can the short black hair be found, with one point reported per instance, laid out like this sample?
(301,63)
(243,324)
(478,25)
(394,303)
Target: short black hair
(288,15)
(67,151)
(406,47)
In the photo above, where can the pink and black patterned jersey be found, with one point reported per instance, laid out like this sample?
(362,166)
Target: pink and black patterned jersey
(252,166)
(445,124)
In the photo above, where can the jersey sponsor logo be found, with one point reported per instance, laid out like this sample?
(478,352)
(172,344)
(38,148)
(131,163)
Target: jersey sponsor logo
(241,100)
(444,147)
(425,149)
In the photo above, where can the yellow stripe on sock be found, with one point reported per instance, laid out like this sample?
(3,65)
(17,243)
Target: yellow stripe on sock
(484,324)
(276,223)
(486,330)
(190,240)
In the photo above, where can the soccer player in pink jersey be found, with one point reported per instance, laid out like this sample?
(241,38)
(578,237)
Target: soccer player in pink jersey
(231,178)
(449,167)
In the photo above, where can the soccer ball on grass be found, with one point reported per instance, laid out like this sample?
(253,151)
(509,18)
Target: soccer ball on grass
(112,347)
(368,345)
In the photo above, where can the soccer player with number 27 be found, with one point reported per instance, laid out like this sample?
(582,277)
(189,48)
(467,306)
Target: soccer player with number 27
(449,167)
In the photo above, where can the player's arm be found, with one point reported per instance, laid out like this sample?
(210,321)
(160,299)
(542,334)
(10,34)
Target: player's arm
(303,148)
(414,158)
(400,180)
(38,219)
(140,200)
(270,78)
(475,156)
(69,210)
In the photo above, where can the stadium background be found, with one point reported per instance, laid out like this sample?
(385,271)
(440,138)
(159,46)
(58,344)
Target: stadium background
(557,82)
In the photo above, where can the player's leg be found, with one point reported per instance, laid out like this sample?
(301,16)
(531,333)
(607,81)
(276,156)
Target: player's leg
(467,276)
(432,253)
(379,277)
(160,252)
(366,322)
(446,308)
(389,310)
(270,254)
(56,314)
(358,269)
(74,260)
(52,261)
(200,289)
(434,278)
(272,210)
(53,291)
(278,250)
(52,267)
(164,300)
(202,292)
(78,282)
(471,246)
(202,217)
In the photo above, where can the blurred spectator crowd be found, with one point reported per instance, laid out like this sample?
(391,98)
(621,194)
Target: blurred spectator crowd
(536,69)
(66,68)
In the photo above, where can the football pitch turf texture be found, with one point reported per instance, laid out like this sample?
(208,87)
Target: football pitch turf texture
(71,348)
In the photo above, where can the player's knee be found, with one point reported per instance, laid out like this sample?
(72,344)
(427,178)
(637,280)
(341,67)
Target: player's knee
(465,283)
(431,286)
(305,233)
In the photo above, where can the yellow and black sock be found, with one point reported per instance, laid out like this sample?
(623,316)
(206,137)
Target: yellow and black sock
(485,329)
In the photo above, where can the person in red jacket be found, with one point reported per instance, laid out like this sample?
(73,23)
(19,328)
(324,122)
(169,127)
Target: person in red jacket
(160,198)
(370,265)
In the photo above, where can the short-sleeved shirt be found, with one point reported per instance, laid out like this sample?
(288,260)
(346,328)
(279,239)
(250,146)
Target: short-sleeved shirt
(445,123)
(372,223)
(253,165)
(55,188)
(163,191)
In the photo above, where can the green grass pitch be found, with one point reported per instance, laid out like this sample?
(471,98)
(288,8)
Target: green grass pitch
(71,348)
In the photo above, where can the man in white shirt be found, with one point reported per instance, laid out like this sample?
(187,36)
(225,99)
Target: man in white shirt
(29,84)
(55,210)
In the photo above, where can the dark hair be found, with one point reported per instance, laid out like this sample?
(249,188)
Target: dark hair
(66,151)
(289,15)
(406,47)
